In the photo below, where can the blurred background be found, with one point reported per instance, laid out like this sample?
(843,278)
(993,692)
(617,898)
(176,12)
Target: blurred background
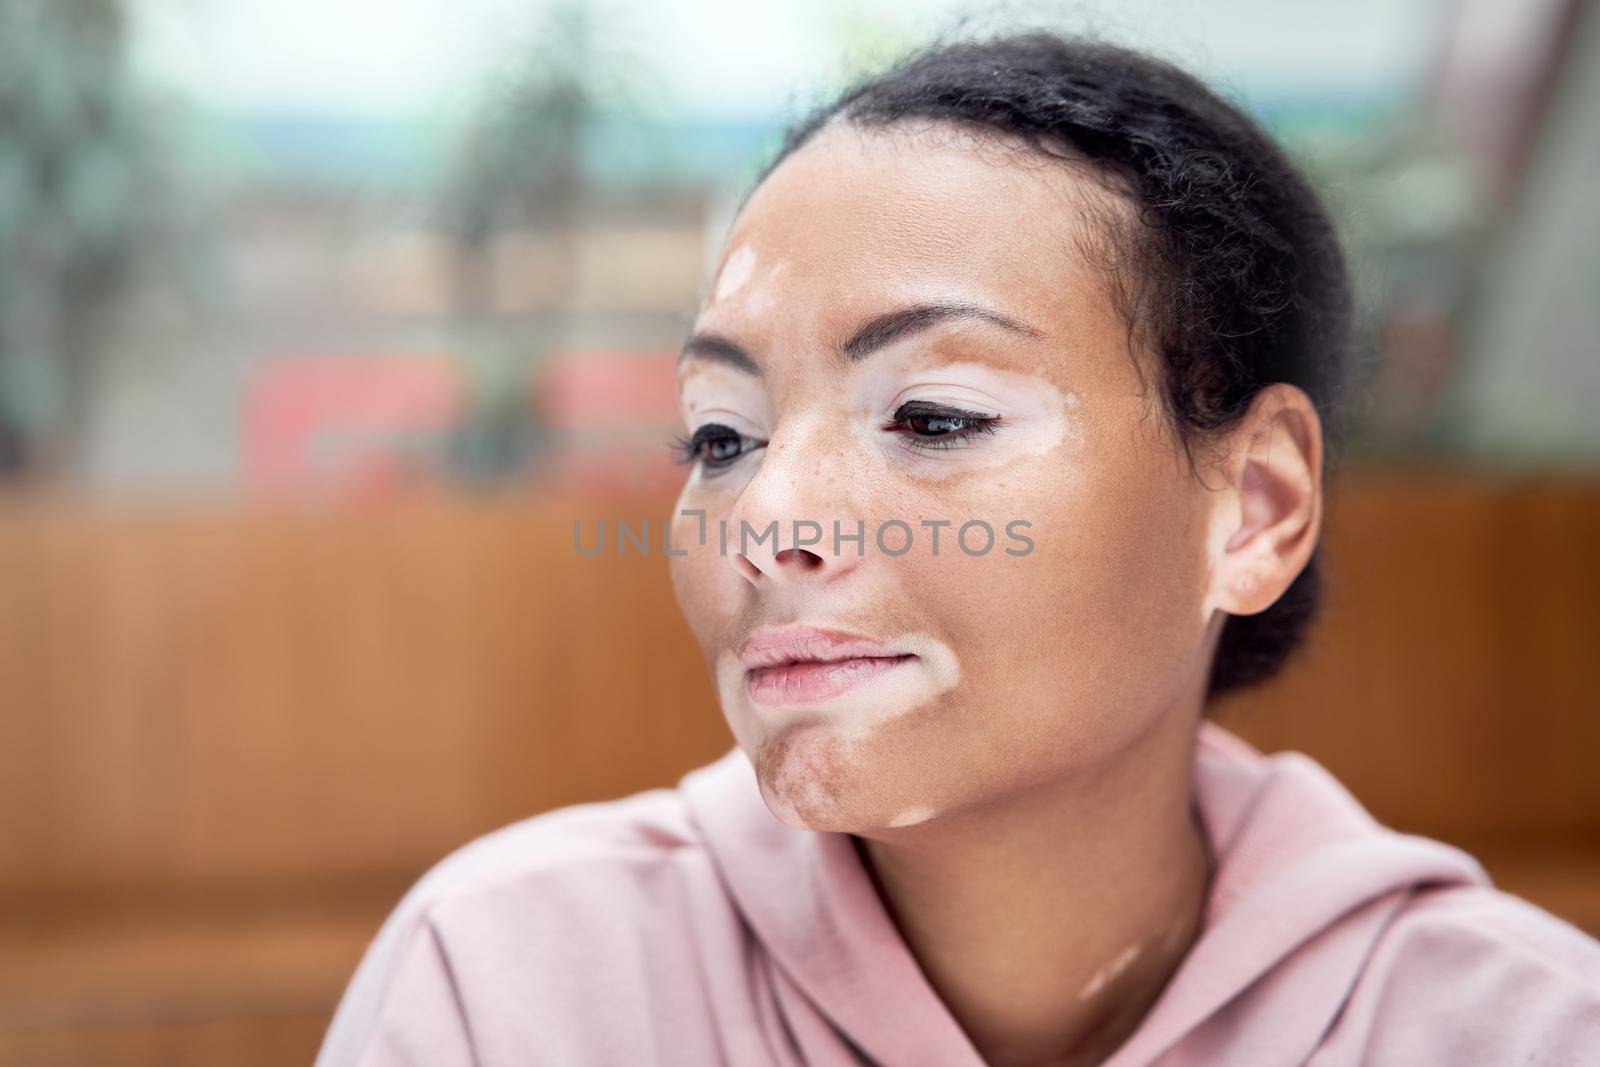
(320,324)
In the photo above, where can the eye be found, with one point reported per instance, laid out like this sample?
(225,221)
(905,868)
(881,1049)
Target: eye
(714,446)
(927,426)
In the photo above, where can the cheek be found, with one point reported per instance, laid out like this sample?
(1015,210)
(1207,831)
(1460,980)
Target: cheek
(1110,601)
(704,583)
(1096,624)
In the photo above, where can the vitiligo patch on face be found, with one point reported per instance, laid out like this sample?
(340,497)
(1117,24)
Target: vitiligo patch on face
(1036,416)
(829,733)
(707,389)
(912,816)
(857,711)
(736,271)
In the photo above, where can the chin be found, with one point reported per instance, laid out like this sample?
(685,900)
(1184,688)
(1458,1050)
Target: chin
(814,778)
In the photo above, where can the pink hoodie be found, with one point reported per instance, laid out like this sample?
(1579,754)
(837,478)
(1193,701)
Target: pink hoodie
(690,926)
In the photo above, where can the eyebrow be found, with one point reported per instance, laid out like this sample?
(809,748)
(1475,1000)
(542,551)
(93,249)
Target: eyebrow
(877,332)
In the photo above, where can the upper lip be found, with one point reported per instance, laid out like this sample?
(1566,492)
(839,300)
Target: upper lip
(774,646)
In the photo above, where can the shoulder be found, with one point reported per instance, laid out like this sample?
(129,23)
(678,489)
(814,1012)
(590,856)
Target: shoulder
(1483,935)
(1471,974)
(510,929)
(574,882)
(571,844)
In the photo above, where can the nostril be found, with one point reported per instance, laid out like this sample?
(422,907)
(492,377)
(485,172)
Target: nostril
(807,559)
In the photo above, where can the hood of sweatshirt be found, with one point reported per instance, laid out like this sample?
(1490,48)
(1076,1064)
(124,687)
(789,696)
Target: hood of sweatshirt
(1304,882)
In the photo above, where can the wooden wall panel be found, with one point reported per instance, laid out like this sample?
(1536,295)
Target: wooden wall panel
(1454,682)
(230,737)
(218,695)
(221,694)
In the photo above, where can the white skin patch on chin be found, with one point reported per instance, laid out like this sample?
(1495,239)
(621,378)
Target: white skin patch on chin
(912,816)
(736,271)
(802,755)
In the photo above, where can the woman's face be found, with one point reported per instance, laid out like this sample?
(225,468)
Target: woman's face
(982,666)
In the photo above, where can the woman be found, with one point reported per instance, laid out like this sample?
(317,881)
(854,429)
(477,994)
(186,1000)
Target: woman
(1062,293)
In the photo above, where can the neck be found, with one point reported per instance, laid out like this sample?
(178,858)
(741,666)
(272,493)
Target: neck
(1049,922)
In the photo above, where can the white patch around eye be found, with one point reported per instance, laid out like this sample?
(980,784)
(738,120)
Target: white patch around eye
(710,392)
(1036,416)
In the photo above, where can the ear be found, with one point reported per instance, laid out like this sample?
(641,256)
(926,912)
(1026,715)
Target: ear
(1267,515)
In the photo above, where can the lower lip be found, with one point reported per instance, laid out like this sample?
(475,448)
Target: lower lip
(799,684)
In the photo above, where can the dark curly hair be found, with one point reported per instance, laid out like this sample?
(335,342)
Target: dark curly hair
(1227,266)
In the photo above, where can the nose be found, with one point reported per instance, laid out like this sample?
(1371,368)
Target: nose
(789,524)
(787,548)
(759,568)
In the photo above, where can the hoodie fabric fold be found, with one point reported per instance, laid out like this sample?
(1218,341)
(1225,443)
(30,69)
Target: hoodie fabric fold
(691,926)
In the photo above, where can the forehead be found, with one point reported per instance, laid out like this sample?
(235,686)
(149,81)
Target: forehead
(856,218)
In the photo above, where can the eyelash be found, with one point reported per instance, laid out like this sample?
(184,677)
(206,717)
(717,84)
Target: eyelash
(973,423)
(691,449)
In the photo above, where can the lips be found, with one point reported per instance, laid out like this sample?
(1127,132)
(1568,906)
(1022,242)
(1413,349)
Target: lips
(794,666)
